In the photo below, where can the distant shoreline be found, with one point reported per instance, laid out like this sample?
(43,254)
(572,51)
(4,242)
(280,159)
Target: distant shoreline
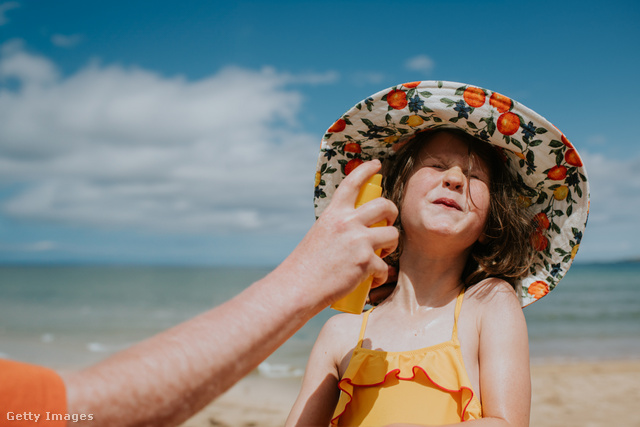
(599,263)
(577,263)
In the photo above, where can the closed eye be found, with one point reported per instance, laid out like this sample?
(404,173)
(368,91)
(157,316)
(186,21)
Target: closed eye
(435,164)
(479,176)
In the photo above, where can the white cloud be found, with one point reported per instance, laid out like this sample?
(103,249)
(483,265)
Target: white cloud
(612,231)
(327,77)
(125,147)
(4,8)
(44,245)
(28,69)
(40,246)
(420,63)
(65,41)
(368,77)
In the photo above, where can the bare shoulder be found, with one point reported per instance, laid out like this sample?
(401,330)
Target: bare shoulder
(342,328)
(494,299)
(491,293)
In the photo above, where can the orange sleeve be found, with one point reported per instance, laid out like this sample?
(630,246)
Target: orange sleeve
(30,391)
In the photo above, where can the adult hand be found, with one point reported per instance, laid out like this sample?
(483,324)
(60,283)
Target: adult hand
(338,252)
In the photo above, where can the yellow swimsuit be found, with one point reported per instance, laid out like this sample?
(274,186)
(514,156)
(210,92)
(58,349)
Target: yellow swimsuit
(425,386)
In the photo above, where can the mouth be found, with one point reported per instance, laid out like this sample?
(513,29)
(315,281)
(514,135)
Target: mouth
(448,203)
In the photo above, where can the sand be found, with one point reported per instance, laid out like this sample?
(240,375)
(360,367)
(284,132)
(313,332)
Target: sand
(586,394)
(254,401)
(583,394)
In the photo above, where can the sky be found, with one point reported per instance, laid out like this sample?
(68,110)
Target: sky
(136,132)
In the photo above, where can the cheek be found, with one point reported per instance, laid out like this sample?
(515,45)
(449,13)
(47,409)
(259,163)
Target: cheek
(420,182)
(480,199)
(411,193)
(411,206)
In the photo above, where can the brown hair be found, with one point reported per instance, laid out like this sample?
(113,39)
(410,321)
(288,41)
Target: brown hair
(505,252)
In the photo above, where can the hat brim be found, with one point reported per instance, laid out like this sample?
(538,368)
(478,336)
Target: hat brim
(534,149)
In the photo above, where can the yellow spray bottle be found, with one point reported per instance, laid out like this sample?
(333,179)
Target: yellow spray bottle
(354,302)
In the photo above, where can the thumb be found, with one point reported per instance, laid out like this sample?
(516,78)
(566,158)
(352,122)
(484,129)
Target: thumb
(349,188)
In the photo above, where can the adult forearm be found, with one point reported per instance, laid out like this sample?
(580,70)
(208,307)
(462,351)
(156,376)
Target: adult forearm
(167,378)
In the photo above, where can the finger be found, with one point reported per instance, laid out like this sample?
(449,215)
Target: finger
(392,276)
(379,294)
(384,239)
(378,211)
(380,271)
(388,251)
(348,190)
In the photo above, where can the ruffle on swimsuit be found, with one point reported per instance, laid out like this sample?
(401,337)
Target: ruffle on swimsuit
(428,385)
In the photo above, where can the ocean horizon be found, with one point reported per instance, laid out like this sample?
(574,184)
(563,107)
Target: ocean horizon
(72,315)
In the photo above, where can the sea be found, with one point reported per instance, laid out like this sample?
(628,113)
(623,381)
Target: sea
(74,316)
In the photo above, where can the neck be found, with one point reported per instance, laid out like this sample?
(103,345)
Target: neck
(427,280)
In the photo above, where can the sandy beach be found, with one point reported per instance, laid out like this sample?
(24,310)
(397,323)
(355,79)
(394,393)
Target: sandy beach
(581,394)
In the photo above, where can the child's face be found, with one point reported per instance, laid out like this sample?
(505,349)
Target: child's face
(443,198)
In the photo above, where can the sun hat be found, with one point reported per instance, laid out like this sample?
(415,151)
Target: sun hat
(535,150)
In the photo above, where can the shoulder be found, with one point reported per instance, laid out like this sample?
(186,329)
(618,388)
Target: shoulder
(342,327)
(341,330)
(492,292)
(337,339)
(494,299)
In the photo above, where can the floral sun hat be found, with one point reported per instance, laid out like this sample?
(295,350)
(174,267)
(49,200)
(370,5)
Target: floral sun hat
(534,149)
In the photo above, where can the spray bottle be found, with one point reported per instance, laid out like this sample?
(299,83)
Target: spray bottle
(354,302)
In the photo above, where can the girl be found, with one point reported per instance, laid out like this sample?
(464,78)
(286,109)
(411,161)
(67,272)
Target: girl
(492,202)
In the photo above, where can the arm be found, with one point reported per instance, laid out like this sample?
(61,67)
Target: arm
(505,378)
(167,378)
(319,392)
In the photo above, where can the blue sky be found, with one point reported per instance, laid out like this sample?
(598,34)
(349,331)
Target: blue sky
(168,133)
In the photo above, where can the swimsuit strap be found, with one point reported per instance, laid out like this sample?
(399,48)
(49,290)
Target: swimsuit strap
(454,335)
(365,318)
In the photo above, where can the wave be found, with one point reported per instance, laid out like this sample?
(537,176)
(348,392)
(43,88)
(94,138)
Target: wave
(279,370)
(96,347)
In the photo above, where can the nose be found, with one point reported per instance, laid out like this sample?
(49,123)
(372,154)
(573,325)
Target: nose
(454,179)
